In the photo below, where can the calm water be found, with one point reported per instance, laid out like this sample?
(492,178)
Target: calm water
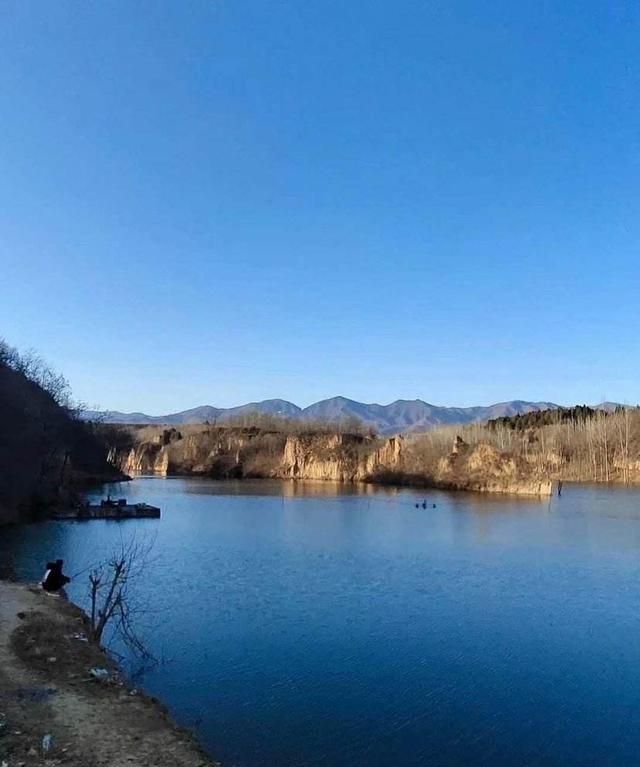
(328,627)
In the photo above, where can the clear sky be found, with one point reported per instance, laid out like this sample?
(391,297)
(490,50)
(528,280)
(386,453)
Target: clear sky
(218,201)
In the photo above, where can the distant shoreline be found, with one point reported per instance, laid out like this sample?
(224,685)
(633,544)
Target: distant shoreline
(269,453)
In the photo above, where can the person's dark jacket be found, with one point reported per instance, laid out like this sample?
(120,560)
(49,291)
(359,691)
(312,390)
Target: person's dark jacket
(54,579)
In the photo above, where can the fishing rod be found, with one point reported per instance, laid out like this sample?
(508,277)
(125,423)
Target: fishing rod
(81,572)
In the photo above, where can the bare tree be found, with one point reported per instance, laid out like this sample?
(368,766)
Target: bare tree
(113,602)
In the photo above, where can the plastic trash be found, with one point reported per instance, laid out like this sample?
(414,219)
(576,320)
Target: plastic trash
(47,743)
(101,674)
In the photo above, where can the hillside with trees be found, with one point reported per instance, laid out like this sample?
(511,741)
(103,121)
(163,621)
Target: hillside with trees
(575,444)
(401,416)
(550,417)
(508,454)
(47,453)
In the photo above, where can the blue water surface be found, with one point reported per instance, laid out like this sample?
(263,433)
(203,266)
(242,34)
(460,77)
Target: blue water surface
(316,624)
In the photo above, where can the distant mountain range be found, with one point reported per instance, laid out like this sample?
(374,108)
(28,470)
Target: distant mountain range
(399,416)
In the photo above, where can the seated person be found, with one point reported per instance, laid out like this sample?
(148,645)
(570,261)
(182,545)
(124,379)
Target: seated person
(54,579)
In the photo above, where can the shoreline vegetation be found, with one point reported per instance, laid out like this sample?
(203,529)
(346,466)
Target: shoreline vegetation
(525,455)
(51,454)
(48,454)
(70,716)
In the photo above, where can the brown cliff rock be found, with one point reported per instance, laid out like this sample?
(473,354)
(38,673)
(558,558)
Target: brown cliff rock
(224,452)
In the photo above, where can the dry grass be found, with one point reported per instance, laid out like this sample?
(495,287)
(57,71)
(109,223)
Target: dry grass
(46,688)
(52,648)
(600,449)
(605,447)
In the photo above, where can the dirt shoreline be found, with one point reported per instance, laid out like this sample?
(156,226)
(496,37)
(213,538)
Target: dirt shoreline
(46,690)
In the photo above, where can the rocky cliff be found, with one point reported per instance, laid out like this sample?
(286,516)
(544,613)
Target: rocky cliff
(233,452)
(483,468)
(249,452)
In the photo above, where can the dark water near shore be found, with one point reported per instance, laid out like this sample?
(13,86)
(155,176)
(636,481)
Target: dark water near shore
(334,626)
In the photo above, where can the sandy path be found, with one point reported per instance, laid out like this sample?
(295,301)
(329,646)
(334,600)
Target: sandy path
(45,689)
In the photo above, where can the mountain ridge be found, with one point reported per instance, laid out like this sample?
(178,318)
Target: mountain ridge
(399,415)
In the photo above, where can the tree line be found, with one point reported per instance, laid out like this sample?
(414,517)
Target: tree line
(581,443)
(46,450)
(537,418)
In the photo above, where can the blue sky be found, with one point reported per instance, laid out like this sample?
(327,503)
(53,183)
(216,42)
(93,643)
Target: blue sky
(216,202)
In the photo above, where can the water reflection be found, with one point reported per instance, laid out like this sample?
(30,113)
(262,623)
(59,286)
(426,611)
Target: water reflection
(312,623)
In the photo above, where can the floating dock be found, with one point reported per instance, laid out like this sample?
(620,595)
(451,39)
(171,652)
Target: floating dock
(109,510)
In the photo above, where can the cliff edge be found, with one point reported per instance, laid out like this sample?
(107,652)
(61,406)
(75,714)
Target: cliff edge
(224,452)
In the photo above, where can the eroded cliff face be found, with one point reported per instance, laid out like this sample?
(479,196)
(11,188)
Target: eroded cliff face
(339,457)
(235,452)
(482,468)
(251,452)
(142,459)
(309,458)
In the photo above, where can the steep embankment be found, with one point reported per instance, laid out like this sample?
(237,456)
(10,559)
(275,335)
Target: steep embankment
(46,454)
(483,468)
(232,452)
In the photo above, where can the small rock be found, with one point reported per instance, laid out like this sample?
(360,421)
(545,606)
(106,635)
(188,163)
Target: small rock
(53,659)
(32,752)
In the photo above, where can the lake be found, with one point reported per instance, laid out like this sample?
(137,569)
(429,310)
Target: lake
(312,624)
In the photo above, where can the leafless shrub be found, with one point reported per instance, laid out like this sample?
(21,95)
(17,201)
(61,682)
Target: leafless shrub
(602,448)
(113,602)
(295,425)
(36,370)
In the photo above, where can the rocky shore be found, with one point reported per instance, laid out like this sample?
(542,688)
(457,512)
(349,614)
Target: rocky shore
(54,712)
(234,452)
